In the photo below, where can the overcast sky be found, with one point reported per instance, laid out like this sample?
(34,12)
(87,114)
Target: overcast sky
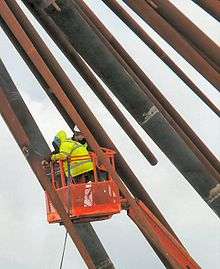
(27,241)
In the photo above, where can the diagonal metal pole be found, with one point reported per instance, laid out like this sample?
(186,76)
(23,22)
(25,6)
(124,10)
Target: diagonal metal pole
(176,40)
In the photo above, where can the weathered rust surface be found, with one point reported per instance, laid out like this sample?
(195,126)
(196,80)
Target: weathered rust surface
(58,91)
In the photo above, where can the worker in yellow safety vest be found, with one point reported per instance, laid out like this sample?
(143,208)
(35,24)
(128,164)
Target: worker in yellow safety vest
(71,148)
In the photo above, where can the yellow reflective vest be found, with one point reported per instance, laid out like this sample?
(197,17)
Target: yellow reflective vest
(71,148)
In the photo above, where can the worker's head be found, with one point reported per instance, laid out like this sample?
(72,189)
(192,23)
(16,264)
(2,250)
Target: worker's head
(77,136)
(60,137)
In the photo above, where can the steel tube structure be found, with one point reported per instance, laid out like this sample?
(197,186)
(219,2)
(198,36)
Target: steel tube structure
(37,60)
(58,91)
(147,115)
(139,31)
(8,104)
(34,147)
(92,124)
(190,31)
(165,30)
(210,6)
(66,47)
(148,87)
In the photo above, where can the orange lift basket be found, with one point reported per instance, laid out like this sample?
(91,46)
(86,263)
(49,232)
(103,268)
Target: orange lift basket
(85,200)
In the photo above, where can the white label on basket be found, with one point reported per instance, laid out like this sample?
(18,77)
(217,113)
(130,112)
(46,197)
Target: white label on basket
(88,199)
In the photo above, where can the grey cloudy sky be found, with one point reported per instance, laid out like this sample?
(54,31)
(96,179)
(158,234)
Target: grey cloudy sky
(27,241)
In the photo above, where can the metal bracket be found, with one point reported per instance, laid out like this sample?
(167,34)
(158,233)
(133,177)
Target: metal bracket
(149,114)
(25,150)
(214,193)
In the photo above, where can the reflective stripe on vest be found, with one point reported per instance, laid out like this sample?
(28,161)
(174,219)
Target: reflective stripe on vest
(72,165)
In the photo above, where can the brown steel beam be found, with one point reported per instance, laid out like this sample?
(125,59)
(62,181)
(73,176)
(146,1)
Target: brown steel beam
(149,88)
(209,49)
(210,6)
(37,60)
(181,259)
(58,91)
(139,31)
(175,39)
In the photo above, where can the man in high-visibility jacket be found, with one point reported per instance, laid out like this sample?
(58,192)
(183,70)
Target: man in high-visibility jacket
(72,149)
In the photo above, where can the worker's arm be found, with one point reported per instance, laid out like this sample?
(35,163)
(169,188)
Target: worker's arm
(65,151)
